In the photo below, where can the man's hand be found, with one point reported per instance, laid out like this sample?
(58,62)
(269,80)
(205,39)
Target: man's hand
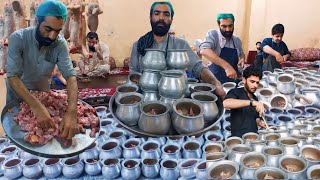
(230,72)
(259,107)
(261,124)
(69,126)
(220,92)
(286,57)
(43,116)
(97,47)
(241,63)
(279,58)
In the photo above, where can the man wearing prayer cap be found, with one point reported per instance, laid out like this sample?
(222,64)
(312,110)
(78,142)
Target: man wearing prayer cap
(223,49)
(32,54)
(161,16)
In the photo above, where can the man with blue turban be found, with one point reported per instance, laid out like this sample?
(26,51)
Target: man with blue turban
(161,16)
(223,49)
(32,54)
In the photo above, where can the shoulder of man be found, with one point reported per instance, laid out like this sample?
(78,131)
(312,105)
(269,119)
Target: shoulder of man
(22,33)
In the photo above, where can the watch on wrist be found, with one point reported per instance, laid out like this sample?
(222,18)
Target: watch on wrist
(251,102)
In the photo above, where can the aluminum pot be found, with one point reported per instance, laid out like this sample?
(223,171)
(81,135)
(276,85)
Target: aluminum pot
(198,138)
(213,137)
(190,82)
(110,149)
(301,100)
(208,101)
(2,160)
(92,152)
(285,84)
(32,168)
(182,118)
(201,170)
(150,168)
(298,88)
(284,120)
(128,108)
(272,77)
(279,101)
(237,151)
(264,94)
(270,172)
(250,162)
(227,86)
(111,168)
(212,148)
(191,149)
(172,84)
(10,151)
(312,93)
(179,140)
(304,82)
(273,154)
(250,137)
(311,154)
(169,169)
(187,168)
(12,168)
(275,112)
(171,150)
(258,145)
(92,167)
(294,112)
(150,150)
(313,172)
(211,158)
(169,102)
(130,169)
(134,78)
(199,87)
(154,59)
(119,135)
(294,166)
(125,88)
(223,170)
(3,142)
(177,59)
(150,96)
(154,118)
(52,168)
(149,80)
(72,167)
(272,139)
(289,145)
(131,148)
(232,141)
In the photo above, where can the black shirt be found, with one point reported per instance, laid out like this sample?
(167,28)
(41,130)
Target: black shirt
(243,119)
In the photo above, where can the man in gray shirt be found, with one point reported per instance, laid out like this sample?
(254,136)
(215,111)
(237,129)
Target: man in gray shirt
(33,53)
(223,49)
(161,15)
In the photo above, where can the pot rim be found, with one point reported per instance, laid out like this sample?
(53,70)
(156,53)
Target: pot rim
(212,143)
(241,145)
(15,158)
(154,49)
(309,146)
(293,157)
(262,169)
(177,50)
(191,141)
(111,165)
(225,155)
(226,162)
(126,85)
(34,158)
(311,169)
(253,154)
(213,88)
(172,160)
(199,163)
(171,144)
(131,139)
(154,102)
(169,73)
(185,100)
(288,138)
(130,94)
(142,162)
(204,93)
(272,147)
(126,160)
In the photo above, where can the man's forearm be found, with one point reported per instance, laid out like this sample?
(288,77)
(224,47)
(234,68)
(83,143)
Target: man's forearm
(22,91)
(214,58)
(72,91)
(207,76)
(267,49)
(100,56)
(235,103)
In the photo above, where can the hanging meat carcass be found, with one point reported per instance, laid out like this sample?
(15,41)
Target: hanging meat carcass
(94,10)
(65,32)
(9,23)
(19,9)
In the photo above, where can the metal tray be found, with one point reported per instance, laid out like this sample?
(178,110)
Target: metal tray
(52,149)
(172,133)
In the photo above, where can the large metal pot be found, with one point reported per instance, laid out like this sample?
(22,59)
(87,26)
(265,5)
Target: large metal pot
(270,172)
(250,162)
(172,84)
(273,154)
(208,101)
(154,59)
(154,118)
(182,120)
(285,84)
(128,108)
(289,145)
(223,170)
(149,80)
(177,59)
(294,166)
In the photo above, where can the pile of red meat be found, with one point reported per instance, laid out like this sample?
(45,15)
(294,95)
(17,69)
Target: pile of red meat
(90,92)
(56,104)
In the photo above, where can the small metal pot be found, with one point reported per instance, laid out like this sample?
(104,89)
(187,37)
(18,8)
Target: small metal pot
(237,151)
(52,168)
(154,59)
(190,81)
(211,158)
(285,84)
(228,86)
(275,112)
(258,145)
(149,80)
(273,154)
(178,140)
(264,94)
(119,135)
(177,59)
(92,167)
(130,169)
(212,148)
(250,162)
(110,149)
(171,150)
(294,112)
(202,87)
(279,101)
(249,137)
(169,103)
(201,170)
(191,149)
(223,170)
(289,163)
(150,150)
(131,148)
(125,88)
(187,168)
(32,168)
(134,78)
(12,168)
(172,84)
(150,96)
(92,152)
(150,168)
(183,122)
(272,139)
(169,169)
(2,160)
(301,100)
(198,138)
(313,172)
(10,151)
(154,118)
(111,168)
(232,141)
(270,172)
(213,136)
(72,167)
(289,145)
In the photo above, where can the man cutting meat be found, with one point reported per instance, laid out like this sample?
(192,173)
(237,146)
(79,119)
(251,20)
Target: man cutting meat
(32,54)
